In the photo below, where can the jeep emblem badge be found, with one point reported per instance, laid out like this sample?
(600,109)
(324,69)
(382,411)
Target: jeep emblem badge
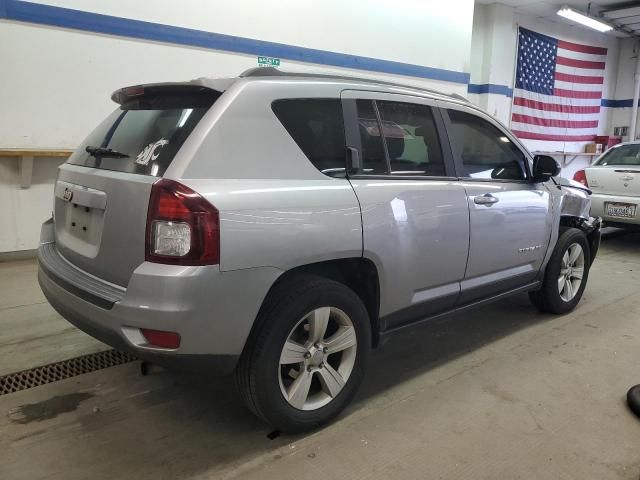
(67,196)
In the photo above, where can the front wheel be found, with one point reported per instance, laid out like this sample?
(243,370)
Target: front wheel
(307,357)
(566,274)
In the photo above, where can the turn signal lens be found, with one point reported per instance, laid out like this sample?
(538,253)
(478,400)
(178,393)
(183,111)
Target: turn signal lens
(581,176)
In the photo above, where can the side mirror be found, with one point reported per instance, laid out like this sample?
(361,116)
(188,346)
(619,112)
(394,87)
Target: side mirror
(544,167)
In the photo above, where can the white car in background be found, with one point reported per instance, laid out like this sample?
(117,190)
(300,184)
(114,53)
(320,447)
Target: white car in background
(615,181)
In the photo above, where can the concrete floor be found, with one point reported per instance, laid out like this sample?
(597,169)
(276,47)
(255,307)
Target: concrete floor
(502,392)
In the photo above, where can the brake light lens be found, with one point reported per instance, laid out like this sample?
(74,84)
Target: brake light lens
(182,227)
(158,338)
(581,176)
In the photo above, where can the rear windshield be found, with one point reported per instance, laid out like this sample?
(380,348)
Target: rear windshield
(145,133)
(622,155)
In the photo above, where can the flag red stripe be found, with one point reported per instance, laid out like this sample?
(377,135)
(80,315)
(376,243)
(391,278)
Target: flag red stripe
(554,107)
(576,47)
(565,77)
(561,92)
(553,138)
(572,62)
(552,122)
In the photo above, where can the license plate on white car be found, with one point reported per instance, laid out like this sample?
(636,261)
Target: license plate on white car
(624,210)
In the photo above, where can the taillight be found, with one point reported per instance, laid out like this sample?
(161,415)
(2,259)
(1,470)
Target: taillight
(581,176)
(182,227)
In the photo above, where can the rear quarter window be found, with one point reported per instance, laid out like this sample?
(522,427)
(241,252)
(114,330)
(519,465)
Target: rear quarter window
(317,127)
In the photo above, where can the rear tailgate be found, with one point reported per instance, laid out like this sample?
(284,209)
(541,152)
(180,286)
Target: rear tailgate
(614,180)
(101,198)
(617,172)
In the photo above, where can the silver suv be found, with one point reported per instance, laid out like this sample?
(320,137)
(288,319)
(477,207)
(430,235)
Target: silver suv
(280,225)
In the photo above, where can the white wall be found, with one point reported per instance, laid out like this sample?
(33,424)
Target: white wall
(56,82)
(493,56)
(629,48)
(23,210)
(82,69)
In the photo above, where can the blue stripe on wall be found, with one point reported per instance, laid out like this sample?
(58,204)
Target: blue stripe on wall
(490,88)
(627,103)
(94,22)
(508,92)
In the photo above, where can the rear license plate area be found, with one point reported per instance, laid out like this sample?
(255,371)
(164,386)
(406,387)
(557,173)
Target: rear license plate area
(79,221)
(620,210)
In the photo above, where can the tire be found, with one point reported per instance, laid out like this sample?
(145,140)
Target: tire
(633,400)
(550,298)
(288,314)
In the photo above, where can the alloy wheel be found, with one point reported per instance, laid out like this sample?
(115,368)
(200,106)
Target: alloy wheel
(317,358)
(571,272)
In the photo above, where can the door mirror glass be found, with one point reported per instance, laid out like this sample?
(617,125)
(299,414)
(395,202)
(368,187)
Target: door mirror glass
(544,167)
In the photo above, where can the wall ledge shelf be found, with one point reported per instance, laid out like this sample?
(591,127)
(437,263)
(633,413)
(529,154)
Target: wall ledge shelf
(27,156)
(565,155)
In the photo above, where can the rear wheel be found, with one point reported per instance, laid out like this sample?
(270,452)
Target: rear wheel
(307,357)
(566,274)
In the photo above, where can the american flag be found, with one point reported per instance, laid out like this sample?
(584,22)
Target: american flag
(558,89)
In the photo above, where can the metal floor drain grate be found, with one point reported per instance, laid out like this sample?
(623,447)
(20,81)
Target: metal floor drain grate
(14,382)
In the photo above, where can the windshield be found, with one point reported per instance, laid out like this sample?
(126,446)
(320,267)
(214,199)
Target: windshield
(622,155)
(144,134)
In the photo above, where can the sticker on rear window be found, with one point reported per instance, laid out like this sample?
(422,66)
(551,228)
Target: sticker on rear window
(150,152)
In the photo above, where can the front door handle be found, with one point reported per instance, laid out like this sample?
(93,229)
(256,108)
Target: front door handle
(486,199)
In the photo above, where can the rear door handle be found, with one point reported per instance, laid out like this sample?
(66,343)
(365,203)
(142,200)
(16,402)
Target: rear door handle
(486,199)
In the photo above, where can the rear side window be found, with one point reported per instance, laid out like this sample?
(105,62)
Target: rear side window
(622,155)
(485,151)
(145,133)
(317,127)
(412,139)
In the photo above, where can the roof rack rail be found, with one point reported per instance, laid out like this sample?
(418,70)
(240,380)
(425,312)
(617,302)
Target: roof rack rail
(261,72)
(460,97)
(274,72)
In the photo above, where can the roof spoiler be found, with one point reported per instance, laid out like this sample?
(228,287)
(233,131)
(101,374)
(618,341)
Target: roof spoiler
(134,92)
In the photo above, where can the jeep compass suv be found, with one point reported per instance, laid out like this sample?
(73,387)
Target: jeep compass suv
(279,225)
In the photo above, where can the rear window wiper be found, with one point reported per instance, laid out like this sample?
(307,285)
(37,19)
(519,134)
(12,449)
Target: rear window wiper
(104,152)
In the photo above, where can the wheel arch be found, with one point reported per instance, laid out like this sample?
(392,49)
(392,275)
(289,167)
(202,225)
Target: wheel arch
(590,227)
(357,273)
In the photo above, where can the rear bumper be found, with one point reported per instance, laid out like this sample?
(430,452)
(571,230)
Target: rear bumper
(212,311)
(59,300)
(598,209)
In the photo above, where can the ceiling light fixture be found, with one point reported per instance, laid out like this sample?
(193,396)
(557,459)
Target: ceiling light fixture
(583,19)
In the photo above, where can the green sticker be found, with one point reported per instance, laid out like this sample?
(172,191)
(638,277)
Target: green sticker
(268,62)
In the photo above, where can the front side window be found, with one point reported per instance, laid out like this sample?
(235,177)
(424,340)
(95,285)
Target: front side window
(412,139)
(317,127)
(485,151)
